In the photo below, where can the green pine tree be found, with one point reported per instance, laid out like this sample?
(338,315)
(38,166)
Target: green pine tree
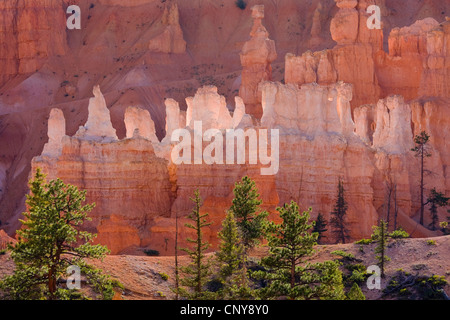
(249,217)
(355,293)
(249,220)
(230,260)
(320,227)
(338,216)
(381,237)
(421,150)
(290,243)
(50,241)
(197,273)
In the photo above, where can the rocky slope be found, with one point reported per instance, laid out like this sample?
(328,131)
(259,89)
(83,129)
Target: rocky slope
(142,275)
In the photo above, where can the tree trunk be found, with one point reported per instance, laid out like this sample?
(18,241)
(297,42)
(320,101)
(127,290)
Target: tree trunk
(395,207)
(422,206)
(52,283)
(177,284)
(388,214)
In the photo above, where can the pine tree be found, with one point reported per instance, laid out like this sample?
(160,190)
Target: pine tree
(50,242)
(338,216)
(290,243)
(249,220)
(355,293)
(436,199)
(177,269)
(381,237)
(198,271)
(320,227)
(230,260)
(248,215)
(421,151)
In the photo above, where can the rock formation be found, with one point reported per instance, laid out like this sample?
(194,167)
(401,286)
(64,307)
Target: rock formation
(316,28)
(311,109)
(393,132)
(210,108)
(28,36)
(139,123)
(351,61)
(172,117)
(139,190)
(98,126)
(240,118)
(256,57)
(170,40)
(56,131)
(127,181)
(343,24)
(310,67)
(365,122)
(436,72)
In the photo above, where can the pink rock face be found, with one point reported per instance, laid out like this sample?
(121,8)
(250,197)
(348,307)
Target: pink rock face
(28,37)
(256,57)
(128,183)
(418,53)
(343,24)
(170,40)
(437,64)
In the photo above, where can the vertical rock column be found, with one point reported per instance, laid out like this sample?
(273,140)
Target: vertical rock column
(98,126)
(256,57)
(56,131)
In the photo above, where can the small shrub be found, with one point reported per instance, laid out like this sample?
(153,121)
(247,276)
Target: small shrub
(444,227)
(399,234)
(411,287)
(418,267)
(241,4)
(431,242)
(357,276)
(343,254)
(2,252)
(160,294)
(358,273)
(358,267)
(364,241)
(164,276)
(151,253)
